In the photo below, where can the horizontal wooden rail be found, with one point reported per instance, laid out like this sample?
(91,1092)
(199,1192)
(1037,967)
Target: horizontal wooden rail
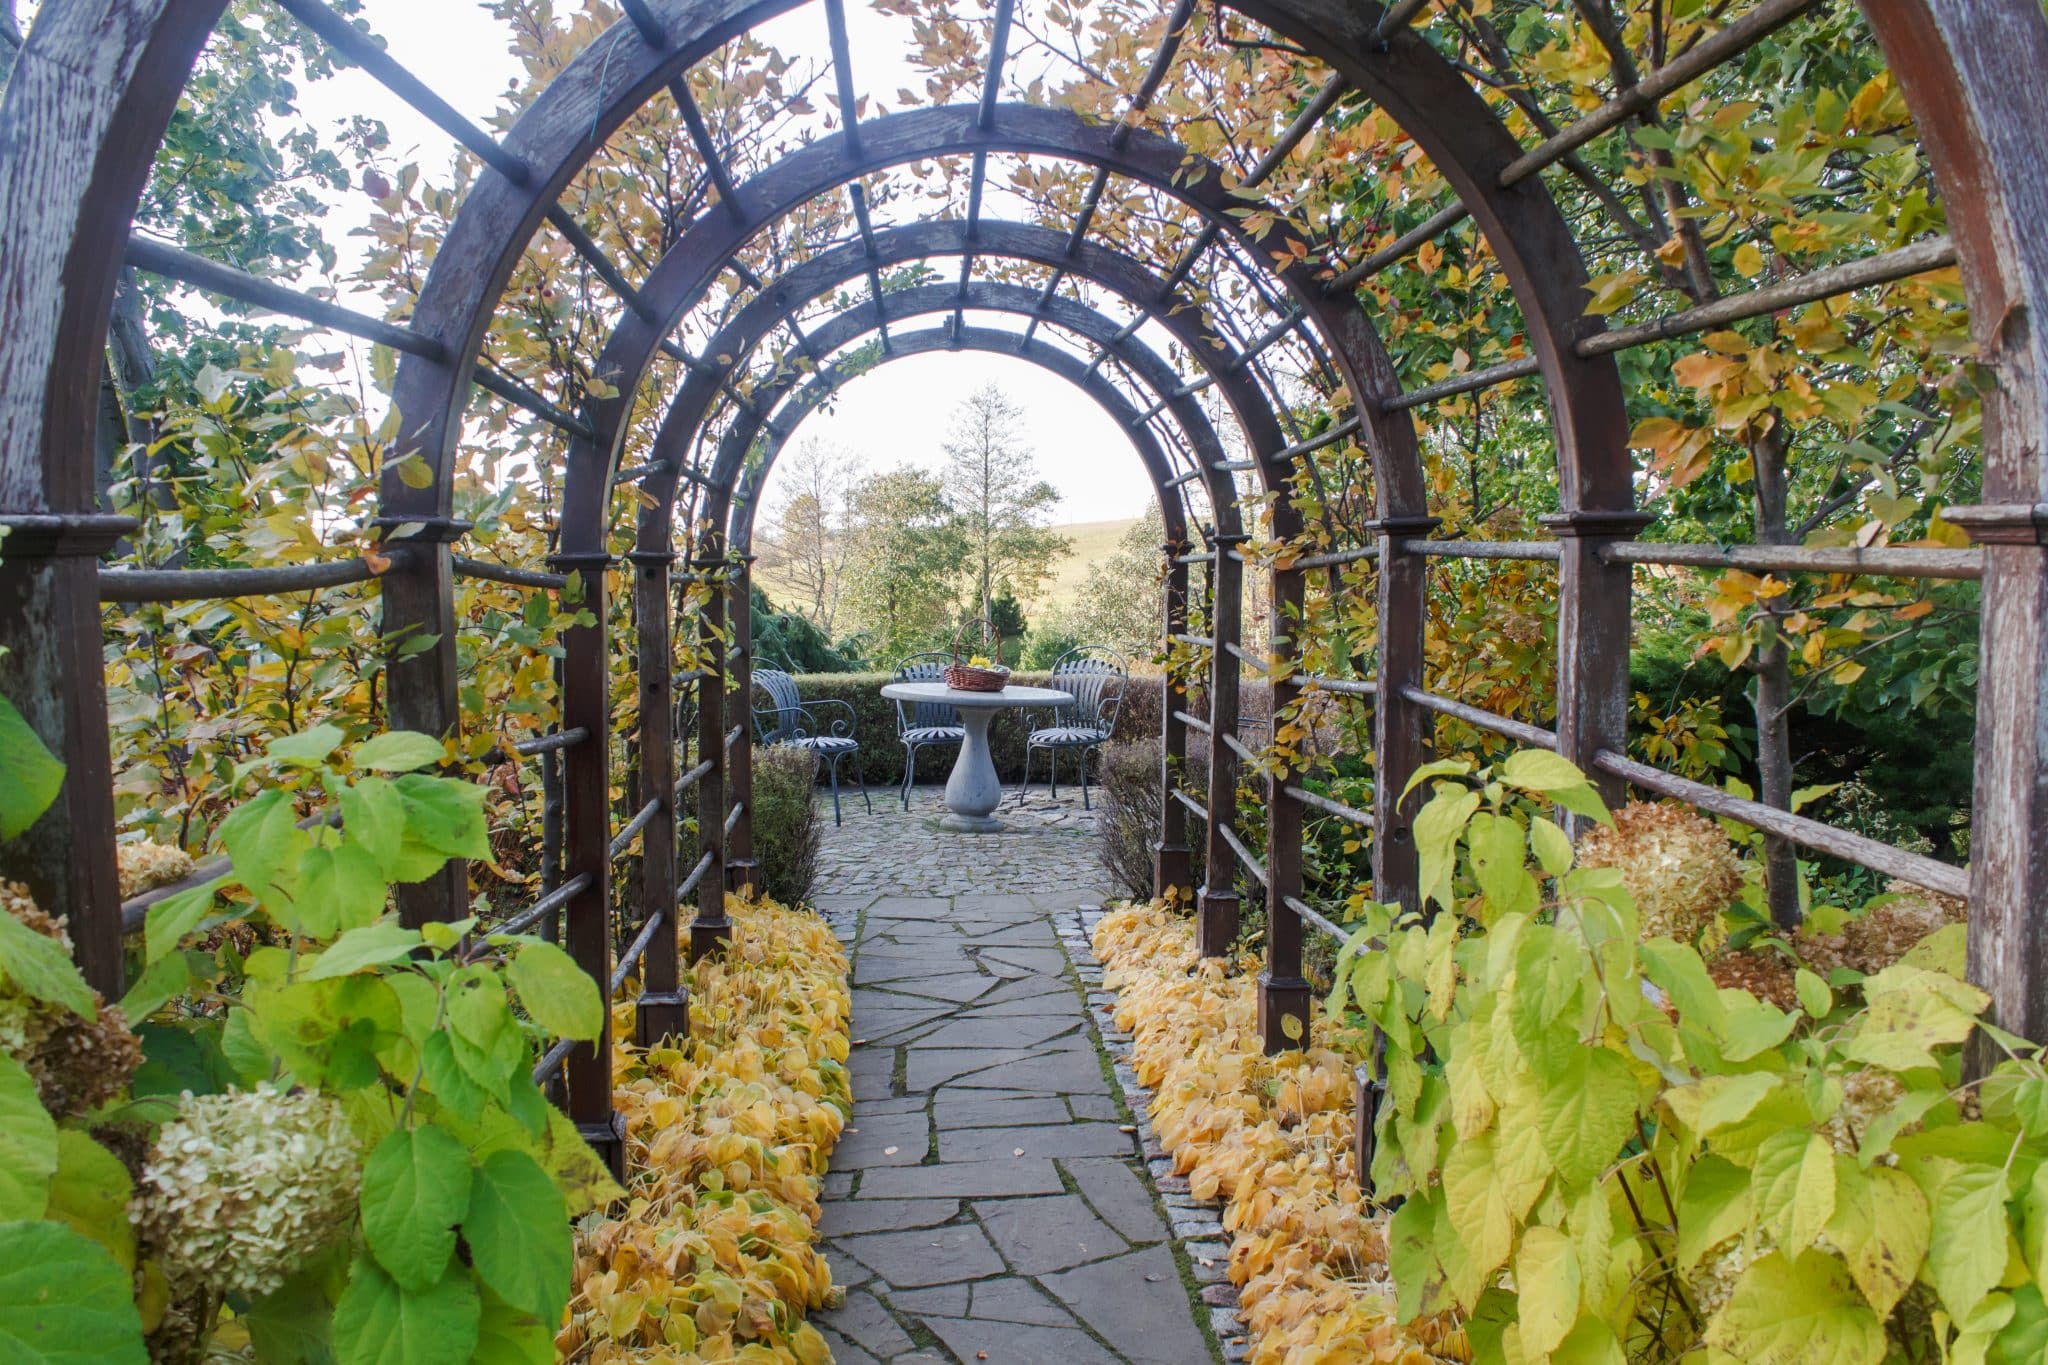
(551,1061)
(689,883)
(1237,746)
(1442,221)
(1195,808)
(694,776)
(1531,551)
(543,744)
(1329,807)
(1334,558)
(1246,657)
(1518,730)
(1350,687)
(545,906)
(1349,426)
(630,831)
(1465,383)
(637,949)
(505,573)
(135,910)
(222,585)
(732,817)
(1315,919)
(1252,864)
(1192,721)
(1198,641)
(1856,848)
(1196,557)
(1903,561)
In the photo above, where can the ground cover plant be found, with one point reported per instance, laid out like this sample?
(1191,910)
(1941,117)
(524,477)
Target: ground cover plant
(1619,1116)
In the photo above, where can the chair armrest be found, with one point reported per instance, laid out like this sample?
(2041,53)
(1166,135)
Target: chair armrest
(832,712)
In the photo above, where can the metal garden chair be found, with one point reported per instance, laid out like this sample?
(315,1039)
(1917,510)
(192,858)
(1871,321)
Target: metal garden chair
(1095,676)
(788,719)
(924,723)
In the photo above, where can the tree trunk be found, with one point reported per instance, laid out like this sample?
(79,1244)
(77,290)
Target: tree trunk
(1771,663)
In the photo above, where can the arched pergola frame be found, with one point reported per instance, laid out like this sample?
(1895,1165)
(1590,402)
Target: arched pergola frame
(96,84)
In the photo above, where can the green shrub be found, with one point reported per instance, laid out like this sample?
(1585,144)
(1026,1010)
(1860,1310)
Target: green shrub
(787,827)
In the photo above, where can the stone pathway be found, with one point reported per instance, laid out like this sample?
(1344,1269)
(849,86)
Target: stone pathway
(989,1201)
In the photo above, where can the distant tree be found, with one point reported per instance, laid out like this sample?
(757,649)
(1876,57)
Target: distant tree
(992,481)
(1119,604)
(905,553)
(804,540)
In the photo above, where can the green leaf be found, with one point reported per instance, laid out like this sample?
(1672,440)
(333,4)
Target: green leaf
(30,775)
(446,1080)
(510,1336)
(1750,1026)
(373,819)
(1966,1248)
(1881,1227)
(1442,767)
(1911,1011)
(415,1190)
(1411,1251)
(28,1144)
(1814,996)
(559,995)
(42,968)
(1797,1312)
(1551,845)
(400,751)
(90,1193)
(1715,1206)
(379,1323)
(1437,829)
(294,1323)
(445,814)
(340,888)
(1708,1105)
(378,945)
(171,920)
(1547,1284)
(1587,1114)
(161,980)
(518,1234)
(1794,1178)
(64,1300)
(1500,863)
(1539,770)
(308,748)
(264,842)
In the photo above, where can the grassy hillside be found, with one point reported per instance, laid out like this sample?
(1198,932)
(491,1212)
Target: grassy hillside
(1094,541)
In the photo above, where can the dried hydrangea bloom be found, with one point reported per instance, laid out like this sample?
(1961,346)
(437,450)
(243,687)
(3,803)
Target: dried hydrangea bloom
(1766,976)
(242,1188)
(1866,1095)
(146,866)
(78,1064)
(1676,863)
(1874,940)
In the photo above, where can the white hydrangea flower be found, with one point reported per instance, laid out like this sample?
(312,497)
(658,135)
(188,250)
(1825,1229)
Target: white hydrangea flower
(242,1188)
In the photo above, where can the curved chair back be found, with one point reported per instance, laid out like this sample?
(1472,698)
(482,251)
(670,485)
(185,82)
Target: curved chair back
(1095,675)
(929,666)
(780,719)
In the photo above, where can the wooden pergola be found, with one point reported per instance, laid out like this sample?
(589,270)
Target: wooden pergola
(97,83)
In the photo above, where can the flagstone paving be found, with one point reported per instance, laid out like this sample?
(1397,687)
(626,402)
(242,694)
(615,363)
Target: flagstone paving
(990,1201)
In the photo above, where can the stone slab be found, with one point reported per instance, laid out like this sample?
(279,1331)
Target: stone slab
(1138,1305)
(1010,1343)
(926,1255)
(850,1217)
(1040,1235)
(863,1320)
(1070,1139)
(963,1180)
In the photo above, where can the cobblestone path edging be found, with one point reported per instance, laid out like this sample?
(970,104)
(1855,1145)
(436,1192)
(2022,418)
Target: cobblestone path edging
(998,1196)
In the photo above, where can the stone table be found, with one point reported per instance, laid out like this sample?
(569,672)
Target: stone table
(973,791)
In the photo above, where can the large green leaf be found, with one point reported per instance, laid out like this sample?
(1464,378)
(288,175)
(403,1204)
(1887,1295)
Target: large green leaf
(559,995)
(400,751)
(377,945)
(1966,1249)
(1881,1226)
(378,1323)
(510,1336)
(518,1234)
(90,1192)
(64,1300)
(308,748)
(373,819)
(264,842)
(415,1190)
(167,923)
(1797,1312)
(30,774)
(340,888)
(1794,1179)
(42,968)
(1547,1284)
(1587,1113)
(28,1144)
(445,815)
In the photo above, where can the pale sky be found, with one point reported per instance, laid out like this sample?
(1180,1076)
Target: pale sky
(895,414)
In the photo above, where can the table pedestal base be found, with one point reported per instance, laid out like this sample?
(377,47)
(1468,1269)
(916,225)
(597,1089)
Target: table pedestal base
(973,791)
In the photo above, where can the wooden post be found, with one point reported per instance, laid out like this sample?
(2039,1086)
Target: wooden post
(1593,629)
(711,930)
(1171,875)
(586,802)
(1402,730)
(1216,906)
(1283,991)
(422,688)
(742,869)
(663,1010)
(53,672)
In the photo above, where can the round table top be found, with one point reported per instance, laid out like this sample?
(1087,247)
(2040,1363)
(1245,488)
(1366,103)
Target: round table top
(1009,696)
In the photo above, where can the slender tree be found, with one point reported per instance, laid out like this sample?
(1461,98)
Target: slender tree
(805,545)
(905,552)
(992,482)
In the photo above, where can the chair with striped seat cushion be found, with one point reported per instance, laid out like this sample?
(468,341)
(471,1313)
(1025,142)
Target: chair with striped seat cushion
(1094,675)
(922,724)
(789,719)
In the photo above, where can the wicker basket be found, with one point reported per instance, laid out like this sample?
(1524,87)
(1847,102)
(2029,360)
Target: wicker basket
(972,677)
